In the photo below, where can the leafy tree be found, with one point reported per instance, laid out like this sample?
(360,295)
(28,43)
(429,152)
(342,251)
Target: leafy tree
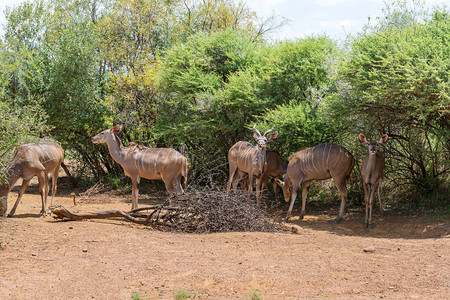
(218,85)
(18,126)
(395,81)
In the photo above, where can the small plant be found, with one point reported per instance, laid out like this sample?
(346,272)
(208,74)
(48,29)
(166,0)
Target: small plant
(180,293)
(136,296)
(255,295)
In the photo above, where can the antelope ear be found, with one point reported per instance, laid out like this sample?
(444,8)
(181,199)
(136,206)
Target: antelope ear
(383,139)
(255,136)
(273,136)
(118,128)
(279,182)
(362,138)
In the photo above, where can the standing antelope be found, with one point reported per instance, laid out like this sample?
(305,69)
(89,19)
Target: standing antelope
(275,166)
(142,162)
(246,158)
(372,171)
(320,162)
(33,159)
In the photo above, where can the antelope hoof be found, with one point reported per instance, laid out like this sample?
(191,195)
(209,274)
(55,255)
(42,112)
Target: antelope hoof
(337,220)
(286,219)
(368,226)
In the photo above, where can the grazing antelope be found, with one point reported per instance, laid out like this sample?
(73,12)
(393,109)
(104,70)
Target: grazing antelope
(243,157)
(320,162)
(372,171)
(275,166)
(141,162)
(34,159)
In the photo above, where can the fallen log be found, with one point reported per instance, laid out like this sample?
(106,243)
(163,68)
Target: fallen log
(63,214)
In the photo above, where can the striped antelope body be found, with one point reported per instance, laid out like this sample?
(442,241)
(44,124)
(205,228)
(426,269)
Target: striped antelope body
(34,159)
(372,171)
(275,166)
(243,158)
(150,163)
(320,162)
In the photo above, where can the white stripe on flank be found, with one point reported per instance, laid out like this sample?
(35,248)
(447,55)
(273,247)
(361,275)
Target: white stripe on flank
(136,162)
(312,160)
(337,160)
(49,157)
(246,153)
(308,164)
(331,146)
(157,159)
(142,159)
(323,157)
(167,157)
(239,150)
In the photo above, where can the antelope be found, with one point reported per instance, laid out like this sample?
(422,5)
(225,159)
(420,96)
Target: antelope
(34,159)
(243,157)
(320,162)
(275,166)
(372,171)
(141,162)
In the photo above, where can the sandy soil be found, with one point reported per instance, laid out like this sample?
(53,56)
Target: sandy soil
(42,258)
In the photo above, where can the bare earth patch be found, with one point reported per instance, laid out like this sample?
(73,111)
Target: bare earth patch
(42,258)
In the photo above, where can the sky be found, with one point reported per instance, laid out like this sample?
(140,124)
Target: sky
(335,18)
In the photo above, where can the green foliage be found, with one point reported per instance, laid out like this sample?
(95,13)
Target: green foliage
(180,293)
(255,295)
(395,81)
(300,125)
(294,69)
(19,125)
(137,296)
(199,78)
(218,85)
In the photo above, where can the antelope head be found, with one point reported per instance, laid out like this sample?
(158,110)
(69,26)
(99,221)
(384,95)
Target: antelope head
(286,186)
(105,135)
(373,145)
(262,140)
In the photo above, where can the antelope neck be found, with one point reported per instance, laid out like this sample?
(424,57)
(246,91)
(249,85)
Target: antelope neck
(260,159)
(371,162)
(13,175)
(115,149)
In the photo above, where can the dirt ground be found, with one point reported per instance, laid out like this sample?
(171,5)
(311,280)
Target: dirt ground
(43,258)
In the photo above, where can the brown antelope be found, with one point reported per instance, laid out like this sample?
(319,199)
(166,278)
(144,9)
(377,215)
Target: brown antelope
(34,159)
(275,166)
(372,171)
(243,157)
(142,162)
(320,162)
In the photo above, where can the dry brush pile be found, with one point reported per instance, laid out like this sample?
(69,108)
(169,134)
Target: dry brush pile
(198,211)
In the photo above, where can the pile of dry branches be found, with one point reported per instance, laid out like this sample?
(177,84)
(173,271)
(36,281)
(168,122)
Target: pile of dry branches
(217,211)
(195,212)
